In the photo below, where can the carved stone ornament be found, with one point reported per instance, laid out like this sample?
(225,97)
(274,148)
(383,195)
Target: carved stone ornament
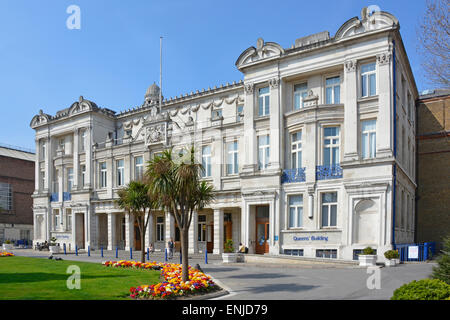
(249,87)
(274,82)
(384,58)
(154,134)
(350,65)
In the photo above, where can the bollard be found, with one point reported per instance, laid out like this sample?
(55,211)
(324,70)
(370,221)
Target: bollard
(117,252)
(131,253)
(206,256)
(76,250)
(165,255)
(64,246)
(102,251)
(148,254)
(89,251)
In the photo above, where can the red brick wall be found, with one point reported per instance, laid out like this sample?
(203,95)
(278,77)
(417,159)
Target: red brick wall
(20,174)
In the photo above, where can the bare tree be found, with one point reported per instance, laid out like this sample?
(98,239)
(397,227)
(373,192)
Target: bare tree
(434,39)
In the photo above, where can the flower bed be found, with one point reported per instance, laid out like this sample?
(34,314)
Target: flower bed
(172,286)
(6,254)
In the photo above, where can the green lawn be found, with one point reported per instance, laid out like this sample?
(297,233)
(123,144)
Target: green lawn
(43,279)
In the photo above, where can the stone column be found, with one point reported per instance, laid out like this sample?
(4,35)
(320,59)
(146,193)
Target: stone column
(250,159)
(48,165)
(111,231)
(193,234)
(129,231)
(74,229)
(89,164)
(37,168)
(218,231)
(385,137)
(170,228)
(350,111)
(275,129)
(150,235)
(76,164)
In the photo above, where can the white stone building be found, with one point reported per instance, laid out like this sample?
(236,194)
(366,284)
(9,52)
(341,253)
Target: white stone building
(312,154)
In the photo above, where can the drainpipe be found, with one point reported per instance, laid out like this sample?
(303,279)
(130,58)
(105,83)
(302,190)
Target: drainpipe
(395,144)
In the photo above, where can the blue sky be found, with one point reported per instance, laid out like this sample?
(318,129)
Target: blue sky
(114,57)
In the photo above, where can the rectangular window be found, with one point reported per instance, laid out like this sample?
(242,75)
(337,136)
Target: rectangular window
(216,114)
(55,219)
(296,211)
(293,252)
(103,175)
(43,150)
(329,209)
(263,151)
(263,101)
(368,139)
(159,228)
(368,80)
(232,158)
(69,179)
(240,113)
(83,174)
(300,93)
(333,90)
(331,146)
(83,141)
(326,253)
(201,228)
(62,144)
(296,150)
(138,168)
(42,175)
(68,219)
(120,171)
(5,196)
(206,161)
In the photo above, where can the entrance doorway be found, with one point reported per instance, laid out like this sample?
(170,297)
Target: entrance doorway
(262,229)
(227,227)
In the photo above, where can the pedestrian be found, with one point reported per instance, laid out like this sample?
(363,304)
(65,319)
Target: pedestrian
(170,244)
(151,249)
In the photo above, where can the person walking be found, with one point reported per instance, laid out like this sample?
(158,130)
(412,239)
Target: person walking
(171,245)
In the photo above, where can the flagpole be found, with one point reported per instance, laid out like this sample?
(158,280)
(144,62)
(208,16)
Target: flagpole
(160,74)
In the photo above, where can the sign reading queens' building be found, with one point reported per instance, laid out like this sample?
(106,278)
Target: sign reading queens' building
(312,154)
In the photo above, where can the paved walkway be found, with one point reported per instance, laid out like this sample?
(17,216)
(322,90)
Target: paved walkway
(247,281)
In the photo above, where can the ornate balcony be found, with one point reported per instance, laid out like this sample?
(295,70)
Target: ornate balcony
(328,172)
(293,175)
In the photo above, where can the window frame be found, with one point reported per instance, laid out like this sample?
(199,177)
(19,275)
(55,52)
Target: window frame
(265,149)
(332,86)
(298,149)
(120,173)
(371,148)
(329,205)
(301,93)
(70,178)
(138,168)
(332,145)
(103,175)
(206,162)
(368,74)
(159,229)
(234,154)
(297,224)
(266,102)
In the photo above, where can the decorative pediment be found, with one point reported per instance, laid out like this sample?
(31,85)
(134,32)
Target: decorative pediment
(82,105)
(368,22)
(263,51)
(40,119)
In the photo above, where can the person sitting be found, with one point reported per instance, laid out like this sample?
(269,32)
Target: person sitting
(241,248)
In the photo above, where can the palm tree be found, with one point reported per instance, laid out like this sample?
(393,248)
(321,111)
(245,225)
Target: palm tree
(137,201)
(180,191)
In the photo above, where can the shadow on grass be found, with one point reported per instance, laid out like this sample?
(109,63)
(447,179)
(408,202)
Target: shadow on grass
(42,276)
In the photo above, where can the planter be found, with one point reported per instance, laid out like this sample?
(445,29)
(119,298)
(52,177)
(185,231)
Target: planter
(397,261)
(367,260)
(54,249)
(229,257)
(390,263)
(7,247)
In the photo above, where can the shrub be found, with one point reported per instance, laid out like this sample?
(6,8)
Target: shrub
(7,242)
(442,271)
(391,254)
(368,251)
(426,289)
(228,246)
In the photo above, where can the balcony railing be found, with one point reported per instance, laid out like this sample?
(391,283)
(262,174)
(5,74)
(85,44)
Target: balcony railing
(54,197)
(67,196)
(293,175)
(328,172)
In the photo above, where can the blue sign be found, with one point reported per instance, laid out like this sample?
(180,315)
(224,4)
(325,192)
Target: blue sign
(312,238)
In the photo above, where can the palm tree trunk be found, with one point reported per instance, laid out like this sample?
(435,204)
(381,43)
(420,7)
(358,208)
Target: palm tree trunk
(184,255)
(143,246)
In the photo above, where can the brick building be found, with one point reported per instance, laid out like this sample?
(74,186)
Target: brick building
(16,188)
(433,170)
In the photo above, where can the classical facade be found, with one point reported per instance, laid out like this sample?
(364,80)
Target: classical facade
(312,154)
